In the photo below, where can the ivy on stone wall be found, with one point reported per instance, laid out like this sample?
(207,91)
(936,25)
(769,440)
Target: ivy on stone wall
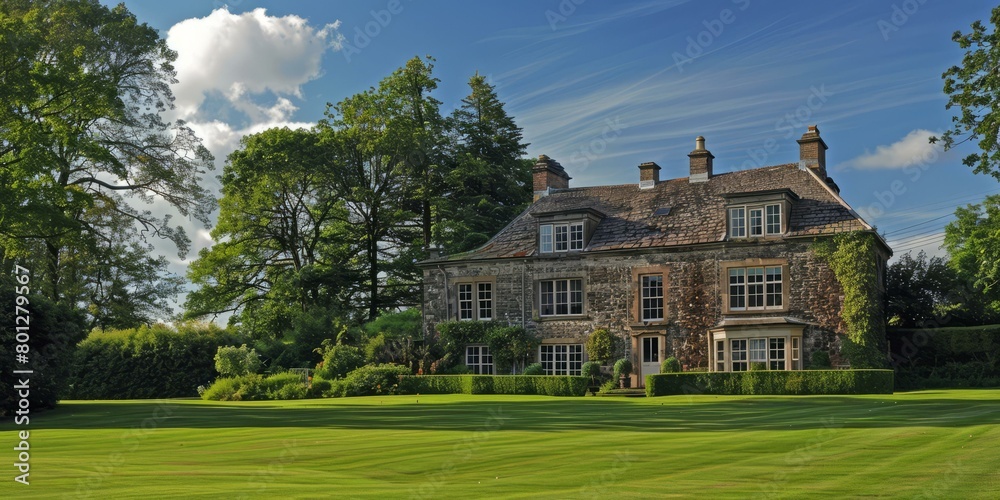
(852,257)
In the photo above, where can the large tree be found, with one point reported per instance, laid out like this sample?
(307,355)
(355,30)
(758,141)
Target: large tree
(973,241)
(488,183)
(83,141)
(974,88)
(283,247)
(918,290)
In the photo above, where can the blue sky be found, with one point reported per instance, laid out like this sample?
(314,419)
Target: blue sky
(603,86)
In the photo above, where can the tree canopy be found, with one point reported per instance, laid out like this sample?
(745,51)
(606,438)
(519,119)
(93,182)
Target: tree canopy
(974,88)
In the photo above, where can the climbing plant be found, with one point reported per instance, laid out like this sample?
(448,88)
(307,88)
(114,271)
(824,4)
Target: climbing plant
(852,257)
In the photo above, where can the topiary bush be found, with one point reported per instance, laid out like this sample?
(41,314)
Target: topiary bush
(623,367)
(773,382)
(591,370)
(601,346)
(534,369)
(670,365)
(370,380)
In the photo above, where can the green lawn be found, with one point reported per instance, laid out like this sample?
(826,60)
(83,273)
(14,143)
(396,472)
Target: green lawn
(943,444)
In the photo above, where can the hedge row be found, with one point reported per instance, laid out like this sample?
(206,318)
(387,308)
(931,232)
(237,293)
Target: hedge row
(548,385)
(778,382)
(946,357)
(149,362)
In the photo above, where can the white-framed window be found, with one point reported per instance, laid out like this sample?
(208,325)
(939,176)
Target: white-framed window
(755,288)
(773,219)
(465,312)
(755,221)
(545,238)
(475,301)
(738,353)
(479,359)
(795,353)
(720,355)
(561,359)
(758,351)
(485,301)
(560,237)
(737,222)
(651,290)
(560,297)
(776,353)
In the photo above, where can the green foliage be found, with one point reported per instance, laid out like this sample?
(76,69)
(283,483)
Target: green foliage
(397,325)
(921,290)
(623,367)
(370,380)
(972,87)
(601,345)
(232,361)
(946,357)
(254,387)
(973,241)
(319,387)
(149,362)
(339,360)
(534,369)
(375,350)
(54,332)
(852,257)
(590,369)
(510,345)
(757,366)
(771,382)
(670,365)
(548,385)
(820,360)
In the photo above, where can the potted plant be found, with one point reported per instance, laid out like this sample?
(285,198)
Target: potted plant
(593,371)
(623,369)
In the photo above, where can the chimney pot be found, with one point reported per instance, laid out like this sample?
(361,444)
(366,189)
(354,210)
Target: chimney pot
(812,151)
(548,174)
(701,162)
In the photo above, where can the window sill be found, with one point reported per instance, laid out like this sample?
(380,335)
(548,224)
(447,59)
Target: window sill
(568,317)
(648,324)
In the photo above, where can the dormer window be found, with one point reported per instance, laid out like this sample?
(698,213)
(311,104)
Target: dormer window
(760,214)
(566,231)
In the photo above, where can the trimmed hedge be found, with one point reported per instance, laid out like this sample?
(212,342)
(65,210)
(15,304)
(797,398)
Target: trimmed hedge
(777,382)
(548,385)
(156,361)
(946,357)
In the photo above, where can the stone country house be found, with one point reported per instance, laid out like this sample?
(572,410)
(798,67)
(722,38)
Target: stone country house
(715,269)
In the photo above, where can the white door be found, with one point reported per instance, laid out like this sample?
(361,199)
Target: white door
(650,363)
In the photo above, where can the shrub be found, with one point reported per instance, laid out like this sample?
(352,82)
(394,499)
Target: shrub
(820,360)
(670,365)
(534,369)
(156,361)
(405,324)
(231,361)
(339,360)
(758,366)
(623,367)
(223,389)
(601,345)
(374,379)
(510,345)
(375,350)
(775,382)
(946,357)
(591,370)
(254,387)
(320,387)
(550,385)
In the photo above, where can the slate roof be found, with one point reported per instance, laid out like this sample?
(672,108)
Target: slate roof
(697,214)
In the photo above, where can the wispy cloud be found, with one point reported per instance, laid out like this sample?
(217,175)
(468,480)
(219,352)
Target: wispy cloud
(913,149)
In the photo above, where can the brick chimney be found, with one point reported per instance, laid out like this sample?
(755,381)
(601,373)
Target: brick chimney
(701,161)
(649,175)
(548,174)
(812,151)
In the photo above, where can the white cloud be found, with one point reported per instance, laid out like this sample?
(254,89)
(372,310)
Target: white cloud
(238,55)
(914,149)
